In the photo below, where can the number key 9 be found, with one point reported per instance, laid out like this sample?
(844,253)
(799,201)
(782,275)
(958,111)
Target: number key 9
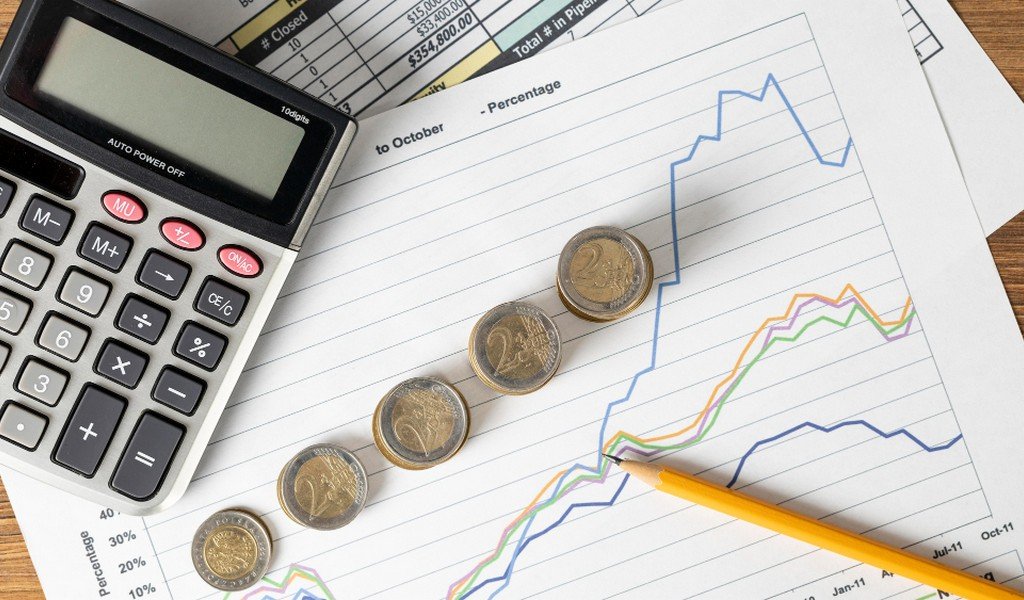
(84,292)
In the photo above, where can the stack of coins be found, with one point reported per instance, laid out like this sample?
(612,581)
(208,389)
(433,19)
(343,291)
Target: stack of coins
(231,550)
(515,348)
(421,423)
(322,487)
(604,273)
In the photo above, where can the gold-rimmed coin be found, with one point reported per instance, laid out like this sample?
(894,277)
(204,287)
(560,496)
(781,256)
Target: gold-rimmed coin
(422,422)
(231,550)
(604,273)
(322,487)
(515,348)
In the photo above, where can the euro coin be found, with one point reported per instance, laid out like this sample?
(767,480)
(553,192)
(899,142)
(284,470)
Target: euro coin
(604,274)
(421,423)
(231,550)
(322,487)
(515,348)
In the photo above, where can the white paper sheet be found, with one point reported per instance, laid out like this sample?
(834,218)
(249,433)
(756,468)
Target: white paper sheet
(983,115)
(747,144)
(361,56)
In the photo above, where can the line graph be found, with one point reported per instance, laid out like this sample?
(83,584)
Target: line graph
(312,586)
(648,447)
(829,429)
(771,83)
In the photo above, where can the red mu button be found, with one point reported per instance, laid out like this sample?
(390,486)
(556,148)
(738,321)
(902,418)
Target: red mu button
(240,261)
(123,207)
(182,234)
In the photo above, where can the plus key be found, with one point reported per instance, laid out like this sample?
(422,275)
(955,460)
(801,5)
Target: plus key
(89,430)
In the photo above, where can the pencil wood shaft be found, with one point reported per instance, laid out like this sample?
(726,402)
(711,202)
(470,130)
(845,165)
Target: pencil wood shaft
(823,535)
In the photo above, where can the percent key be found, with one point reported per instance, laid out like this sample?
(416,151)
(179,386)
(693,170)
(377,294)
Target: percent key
(200,346)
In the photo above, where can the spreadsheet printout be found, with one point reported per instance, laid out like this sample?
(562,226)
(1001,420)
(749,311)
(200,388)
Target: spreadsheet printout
(806,341)
(367,56)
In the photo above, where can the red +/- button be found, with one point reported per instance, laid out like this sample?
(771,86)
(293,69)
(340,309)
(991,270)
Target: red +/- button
(123,207)
(182,234)
(240,261)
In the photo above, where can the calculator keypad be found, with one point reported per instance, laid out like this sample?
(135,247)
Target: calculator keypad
(116,321)
(14,311)
(221,301)
(88,431)
(47,219)
(21,426)
(26,265)
(63,337)
(200,346)
(163,274)
(105,247)
(145,460)
(121,363)
(41,381)
(142,319)
(7,190)
(84,292)
(179,390)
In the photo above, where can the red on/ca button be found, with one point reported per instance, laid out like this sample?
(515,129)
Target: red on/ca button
(182,234)
(124,207)
(240,261)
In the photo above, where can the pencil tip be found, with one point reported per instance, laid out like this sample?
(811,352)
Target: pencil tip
(614,459)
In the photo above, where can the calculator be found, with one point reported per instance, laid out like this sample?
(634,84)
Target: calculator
(154,194)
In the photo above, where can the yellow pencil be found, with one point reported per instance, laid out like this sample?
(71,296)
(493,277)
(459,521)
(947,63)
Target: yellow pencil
(815,532)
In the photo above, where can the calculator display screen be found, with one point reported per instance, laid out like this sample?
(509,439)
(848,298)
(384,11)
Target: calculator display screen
(175,115)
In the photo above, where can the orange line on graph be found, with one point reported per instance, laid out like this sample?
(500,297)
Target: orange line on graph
(797,298)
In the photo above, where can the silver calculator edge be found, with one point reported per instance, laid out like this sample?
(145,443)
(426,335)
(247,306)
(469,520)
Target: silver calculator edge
(242,336)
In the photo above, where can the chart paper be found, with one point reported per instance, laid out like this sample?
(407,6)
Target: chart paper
(809,339)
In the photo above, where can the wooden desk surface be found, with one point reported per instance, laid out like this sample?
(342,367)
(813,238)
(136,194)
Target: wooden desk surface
(998,25)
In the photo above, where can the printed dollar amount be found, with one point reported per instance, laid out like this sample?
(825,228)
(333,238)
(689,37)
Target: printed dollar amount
(436,42)
(431,14)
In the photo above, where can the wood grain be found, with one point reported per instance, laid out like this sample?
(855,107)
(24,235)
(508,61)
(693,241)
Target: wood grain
(998,25)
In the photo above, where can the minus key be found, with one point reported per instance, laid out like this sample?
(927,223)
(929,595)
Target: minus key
(180,391)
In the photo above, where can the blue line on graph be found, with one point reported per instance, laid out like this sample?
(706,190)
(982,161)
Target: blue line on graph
(507,575)
(830,429)
(770,83)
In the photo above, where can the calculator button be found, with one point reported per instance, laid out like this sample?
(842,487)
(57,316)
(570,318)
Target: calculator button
(47,219)
(26,265)
(41,381)
(142,319)
(84,292)
(5,353)
(88,431)
(147,457)
(13,311)
(221,301)
(200,346)
(124,207)
(121,363)
(105,247)
(7,190)
(21,425)
(182,234)
(240,261)
(163,274)
(63,337)
(178,390)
